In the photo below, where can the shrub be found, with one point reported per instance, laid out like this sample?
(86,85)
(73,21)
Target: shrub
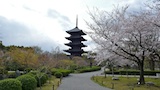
(110,72)
(58,74)
(54,70)
(28,82)
(132,72)
(88,69)
(73,67)
(27,70)
(3,73)
(33,72)
(11,74)
(65,72)
(40,77)
(10,84)
(3,70)
(151,72)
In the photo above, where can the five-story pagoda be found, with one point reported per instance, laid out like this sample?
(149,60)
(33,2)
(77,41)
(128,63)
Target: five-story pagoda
(75,43)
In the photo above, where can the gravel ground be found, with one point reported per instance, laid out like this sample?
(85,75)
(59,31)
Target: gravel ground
(81,82)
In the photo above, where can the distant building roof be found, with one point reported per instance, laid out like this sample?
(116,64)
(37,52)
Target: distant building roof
(75,38)
(76,30)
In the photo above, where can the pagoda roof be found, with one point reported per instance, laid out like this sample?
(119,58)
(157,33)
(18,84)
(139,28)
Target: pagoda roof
(75,44)
(76,30)
(74,51)
(76,37)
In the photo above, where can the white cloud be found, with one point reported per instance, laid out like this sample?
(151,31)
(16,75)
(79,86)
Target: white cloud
(47,20)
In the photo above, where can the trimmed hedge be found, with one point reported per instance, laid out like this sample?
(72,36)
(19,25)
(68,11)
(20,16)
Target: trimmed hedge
(115,72)
(11,74)
(58,74)
(10,84)
(88,69)
(132,72)
(28,82)
(65,72)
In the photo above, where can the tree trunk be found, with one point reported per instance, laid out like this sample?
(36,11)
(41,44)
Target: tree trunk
(90,64)
(112,72)
(104,72)
(141,79)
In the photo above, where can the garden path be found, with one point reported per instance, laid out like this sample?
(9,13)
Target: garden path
(81,81)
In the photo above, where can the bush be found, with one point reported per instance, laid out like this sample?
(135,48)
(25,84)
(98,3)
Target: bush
(11,74)
(27,70)
(65,72)
(110,72)
(58,74)
(33,72)
(28,82)
(151,72)
(132,72)
(73,67)
(10,84)
(40,77)
(88,69)
(3,70)
(3,73)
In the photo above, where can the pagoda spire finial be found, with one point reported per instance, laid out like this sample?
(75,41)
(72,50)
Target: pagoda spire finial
(77,21)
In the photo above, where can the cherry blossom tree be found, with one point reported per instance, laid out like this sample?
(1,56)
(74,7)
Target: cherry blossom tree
(132,36)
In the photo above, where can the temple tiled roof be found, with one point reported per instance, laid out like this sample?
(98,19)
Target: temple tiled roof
(75,44)
(76,30)
(76,37)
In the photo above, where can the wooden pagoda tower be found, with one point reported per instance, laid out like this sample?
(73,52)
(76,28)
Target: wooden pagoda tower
(75,43)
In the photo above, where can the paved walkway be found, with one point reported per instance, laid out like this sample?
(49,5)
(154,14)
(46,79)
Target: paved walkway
(81,82)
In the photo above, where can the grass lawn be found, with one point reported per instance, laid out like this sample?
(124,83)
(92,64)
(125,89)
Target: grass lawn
(125,83)
(49,85)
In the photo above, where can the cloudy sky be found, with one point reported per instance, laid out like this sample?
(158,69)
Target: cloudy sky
(43,22)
